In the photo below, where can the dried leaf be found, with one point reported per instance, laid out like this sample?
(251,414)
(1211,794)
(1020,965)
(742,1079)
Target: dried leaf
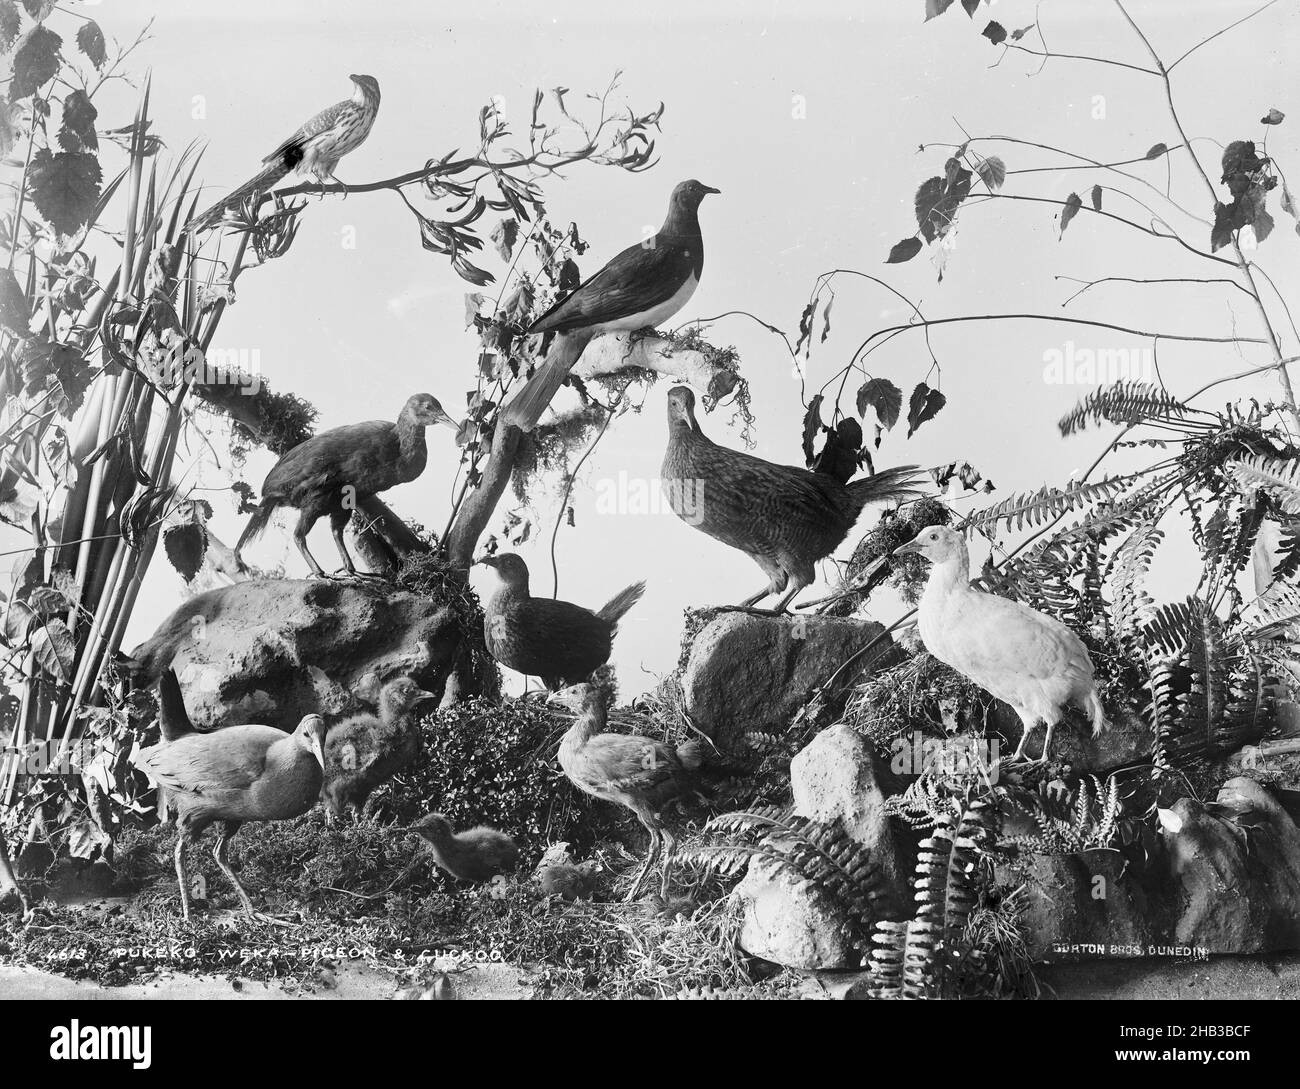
(992,171)
(995,32)
(1273,117)
(90,40)
(884,397)
(924,405)
(1072,205)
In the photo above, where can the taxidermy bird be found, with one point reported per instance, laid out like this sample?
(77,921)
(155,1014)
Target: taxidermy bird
(314,150)
(784,518)
(568,881)
(332,472)
(638,773)
(643,286)
(557,641)
(1018,655)
(477,854)
(365,750)
(230,776)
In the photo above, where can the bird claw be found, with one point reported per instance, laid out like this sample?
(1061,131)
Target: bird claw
(272,920)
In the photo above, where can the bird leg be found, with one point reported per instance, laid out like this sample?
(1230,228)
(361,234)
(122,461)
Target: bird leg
(338,522)
(670,845)
(220,851)
(752,600)
(652,854)
(300,539)
(1019,755)
(182,873)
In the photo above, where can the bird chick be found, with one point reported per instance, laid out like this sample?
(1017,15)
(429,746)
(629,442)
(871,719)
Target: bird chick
(365,750)
(638,773)
(1018,655)
(477,854)
(567,881)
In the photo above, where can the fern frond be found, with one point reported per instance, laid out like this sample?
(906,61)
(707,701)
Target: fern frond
(1036,508)
(1278,477)
(1122,403)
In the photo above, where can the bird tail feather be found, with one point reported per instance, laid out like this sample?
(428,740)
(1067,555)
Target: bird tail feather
(527,406)
(898,483)
(530,402)
(614,609)
(256,524)
(256,185)
(173,719)
(1096,712)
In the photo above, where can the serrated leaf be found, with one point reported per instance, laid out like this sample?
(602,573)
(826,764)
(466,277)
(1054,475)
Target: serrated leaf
(1273,117)
(992,171)
(924,405)
(884,397)
(14,313)
(995,32)
(39,10)
(904,251)
(1072,205)
(503,236)
(90,40)
(938,198)
(65,188)
(36,60)
(812,425)
(186,544)
(77,133)
(54,649)
(10,23)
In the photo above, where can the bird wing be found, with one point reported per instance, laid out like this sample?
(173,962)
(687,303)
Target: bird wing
(361,454)
(756,505)
(632,764)
(640,278)
(229,759)
(549,638)
(998,642)
(321,122)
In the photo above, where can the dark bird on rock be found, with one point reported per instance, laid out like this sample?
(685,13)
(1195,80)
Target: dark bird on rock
(784,518)
(1017,654)
(365,750)
(557,641)
(477,854)
(332,472)
(638,773)
(839,457)
(643,286)
(230,776)
(313,151)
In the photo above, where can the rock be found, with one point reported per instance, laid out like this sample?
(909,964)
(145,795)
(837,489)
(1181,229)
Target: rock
(786,922)
(273,650)
(1274,763)
(1226,882)
(753,672)
(836,779)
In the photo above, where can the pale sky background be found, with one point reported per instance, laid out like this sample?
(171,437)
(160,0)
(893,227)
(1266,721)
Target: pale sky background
(356,331)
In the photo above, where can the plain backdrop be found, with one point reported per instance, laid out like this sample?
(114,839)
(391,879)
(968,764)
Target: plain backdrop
(808,117)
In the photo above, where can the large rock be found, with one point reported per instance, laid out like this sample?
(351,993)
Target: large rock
(273,650)
(753,672)
(836,779)
(1221,884)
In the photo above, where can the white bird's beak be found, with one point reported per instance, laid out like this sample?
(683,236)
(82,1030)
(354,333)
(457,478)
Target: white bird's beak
(904,549)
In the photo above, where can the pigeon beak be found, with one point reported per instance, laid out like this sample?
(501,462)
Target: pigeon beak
(710,189)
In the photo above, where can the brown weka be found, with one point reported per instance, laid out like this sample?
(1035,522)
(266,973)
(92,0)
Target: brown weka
(784,518)
(332,472)
(229,777)
(558,641)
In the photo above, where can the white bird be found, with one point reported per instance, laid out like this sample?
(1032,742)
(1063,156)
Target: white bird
(1018,655)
